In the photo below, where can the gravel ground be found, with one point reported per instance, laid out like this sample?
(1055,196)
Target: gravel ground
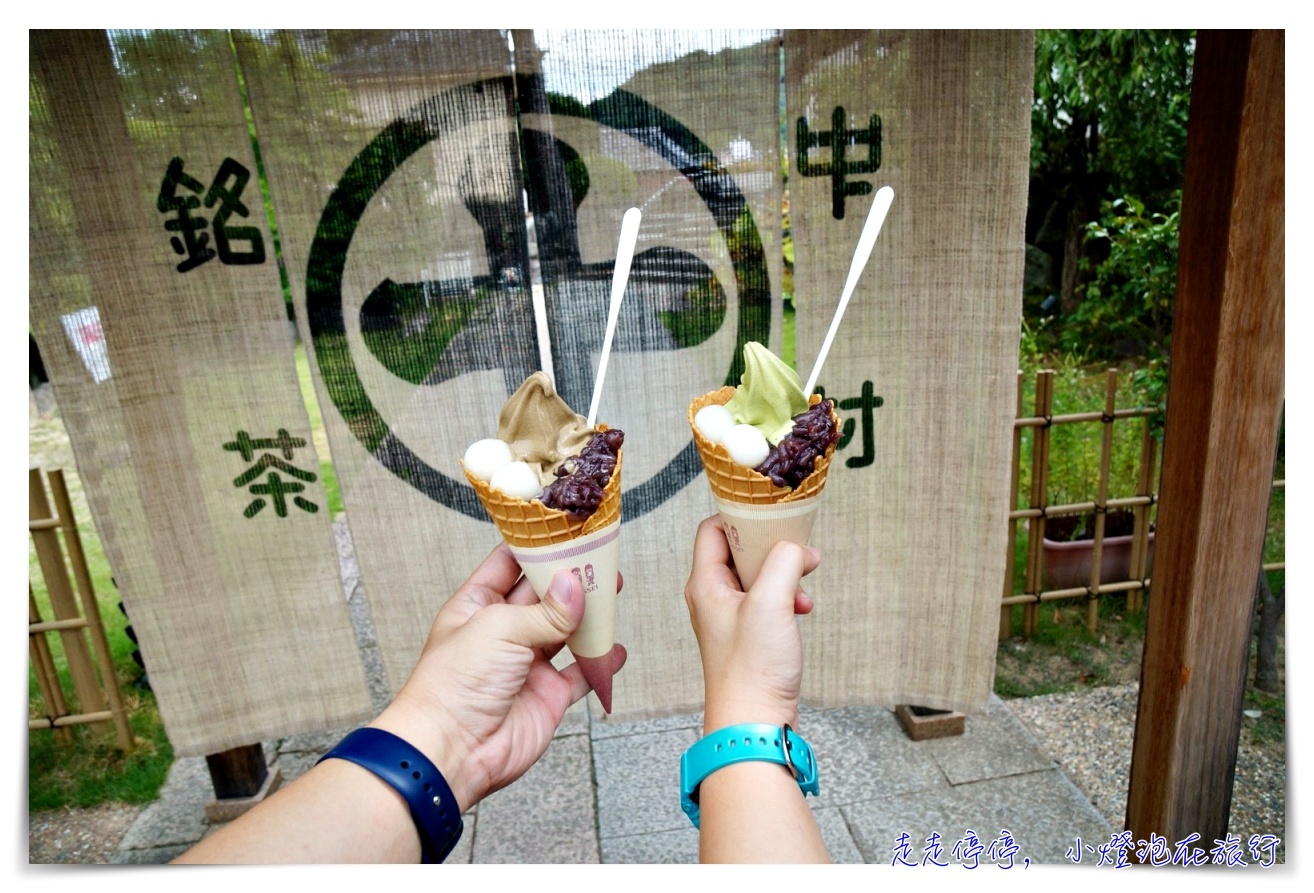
(78,836)
(1090,734)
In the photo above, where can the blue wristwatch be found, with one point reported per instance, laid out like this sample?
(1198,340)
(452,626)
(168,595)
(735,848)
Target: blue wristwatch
(738,744)
(433,806)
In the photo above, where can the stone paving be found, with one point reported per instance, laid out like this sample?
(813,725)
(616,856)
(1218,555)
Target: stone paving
(607,792)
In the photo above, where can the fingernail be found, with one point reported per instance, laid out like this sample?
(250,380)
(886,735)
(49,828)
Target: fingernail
(560,590)
(816,554)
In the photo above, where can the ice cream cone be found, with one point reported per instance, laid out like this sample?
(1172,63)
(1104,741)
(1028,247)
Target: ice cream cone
(756,513)
(546,540)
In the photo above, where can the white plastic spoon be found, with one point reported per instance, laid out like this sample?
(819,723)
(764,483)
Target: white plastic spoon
(629,235)
(880,206)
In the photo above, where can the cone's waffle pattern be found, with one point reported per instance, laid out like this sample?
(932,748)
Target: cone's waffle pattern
(530,524)
(736,483)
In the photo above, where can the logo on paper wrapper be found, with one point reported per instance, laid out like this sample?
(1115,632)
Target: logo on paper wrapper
(586,580)
(732,534)
(594,559)
(752,530)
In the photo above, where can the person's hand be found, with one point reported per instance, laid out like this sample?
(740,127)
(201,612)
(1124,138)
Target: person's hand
(484,699)
(750,644)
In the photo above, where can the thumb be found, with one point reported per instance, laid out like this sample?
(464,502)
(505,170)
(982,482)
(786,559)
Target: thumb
(785,566)
(553,619)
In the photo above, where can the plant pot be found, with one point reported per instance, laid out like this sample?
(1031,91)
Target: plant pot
(1067,564)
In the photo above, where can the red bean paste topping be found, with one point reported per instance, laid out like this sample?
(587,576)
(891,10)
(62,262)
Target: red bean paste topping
(582,478)
(793,459)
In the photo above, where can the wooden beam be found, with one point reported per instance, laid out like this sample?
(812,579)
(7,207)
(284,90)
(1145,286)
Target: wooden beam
(1225,393)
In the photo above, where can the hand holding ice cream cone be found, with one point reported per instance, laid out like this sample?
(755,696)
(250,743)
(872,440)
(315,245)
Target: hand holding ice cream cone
(561,510)
(751,649)
(776,497)
(479,709)
(485,671)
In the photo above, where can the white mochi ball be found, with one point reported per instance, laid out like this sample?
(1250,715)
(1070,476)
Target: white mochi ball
(516,479)
(714,422)
(746,445)
(483,457)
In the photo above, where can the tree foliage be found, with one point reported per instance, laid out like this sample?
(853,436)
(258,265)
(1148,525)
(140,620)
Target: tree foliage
(1108,153)
(1130,292)
(1113,105)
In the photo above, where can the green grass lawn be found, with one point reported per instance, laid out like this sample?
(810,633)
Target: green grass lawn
(326,471)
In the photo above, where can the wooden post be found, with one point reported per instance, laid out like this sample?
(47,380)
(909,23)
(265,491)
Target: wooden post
(238,772)
(90,607)
(91,699)
(241,779)
(1006,611)
(1225,393)
(43,667)
(1141,532)
(1101,501)
(1039,496)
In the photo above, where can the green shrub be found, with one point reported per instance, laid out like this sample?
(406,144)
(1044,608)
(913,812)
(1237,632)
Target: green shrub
(1129,298)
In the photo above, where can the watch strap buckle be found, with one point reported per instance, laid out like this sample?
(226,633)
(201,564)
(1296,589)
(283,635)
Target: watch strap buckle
(739,743)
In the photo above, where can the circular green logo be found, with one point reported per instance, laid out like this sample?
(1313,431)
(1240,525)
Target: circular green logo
(444,113)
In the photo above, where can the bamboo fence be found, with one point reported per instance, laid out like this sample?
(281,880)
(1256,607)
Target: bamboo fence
(1141,503)
(1039,510)
(76,618)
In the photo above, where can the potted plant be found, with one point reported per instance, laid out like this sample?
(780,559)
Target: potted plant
(1069,549)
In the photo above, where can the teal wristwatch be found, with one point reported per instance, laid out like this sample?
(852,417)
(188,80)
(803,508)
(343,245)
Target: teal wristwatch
(739,744)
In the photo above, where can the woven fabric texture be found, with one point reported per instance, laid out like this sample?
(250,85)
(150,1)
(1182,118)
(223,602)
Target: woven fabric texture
(915,522)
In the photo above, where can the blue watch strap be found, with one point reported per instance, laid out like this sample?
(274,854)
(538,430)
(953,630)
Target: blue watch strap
(434,809)
(741,743)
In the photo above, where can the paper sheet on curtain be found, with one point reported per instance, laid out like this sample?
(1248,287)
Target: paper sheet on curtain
(915,516)
(191,437)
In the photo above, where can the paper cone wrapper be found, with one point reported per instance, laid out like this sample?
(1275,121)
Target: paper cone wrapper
(751,530)
(546,540)
(594,558)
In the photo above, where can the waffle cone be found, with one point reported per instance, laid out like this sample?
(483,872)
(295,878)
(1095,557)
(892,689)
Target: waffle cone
(532,524)
(733,482)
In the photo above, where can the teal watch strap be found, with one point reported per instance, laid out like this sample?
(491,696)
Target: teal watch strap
(741,743)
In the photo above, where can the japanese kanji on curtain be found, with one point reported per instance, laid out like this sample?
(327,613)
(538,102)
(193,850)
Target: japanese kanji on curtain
(155,298)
